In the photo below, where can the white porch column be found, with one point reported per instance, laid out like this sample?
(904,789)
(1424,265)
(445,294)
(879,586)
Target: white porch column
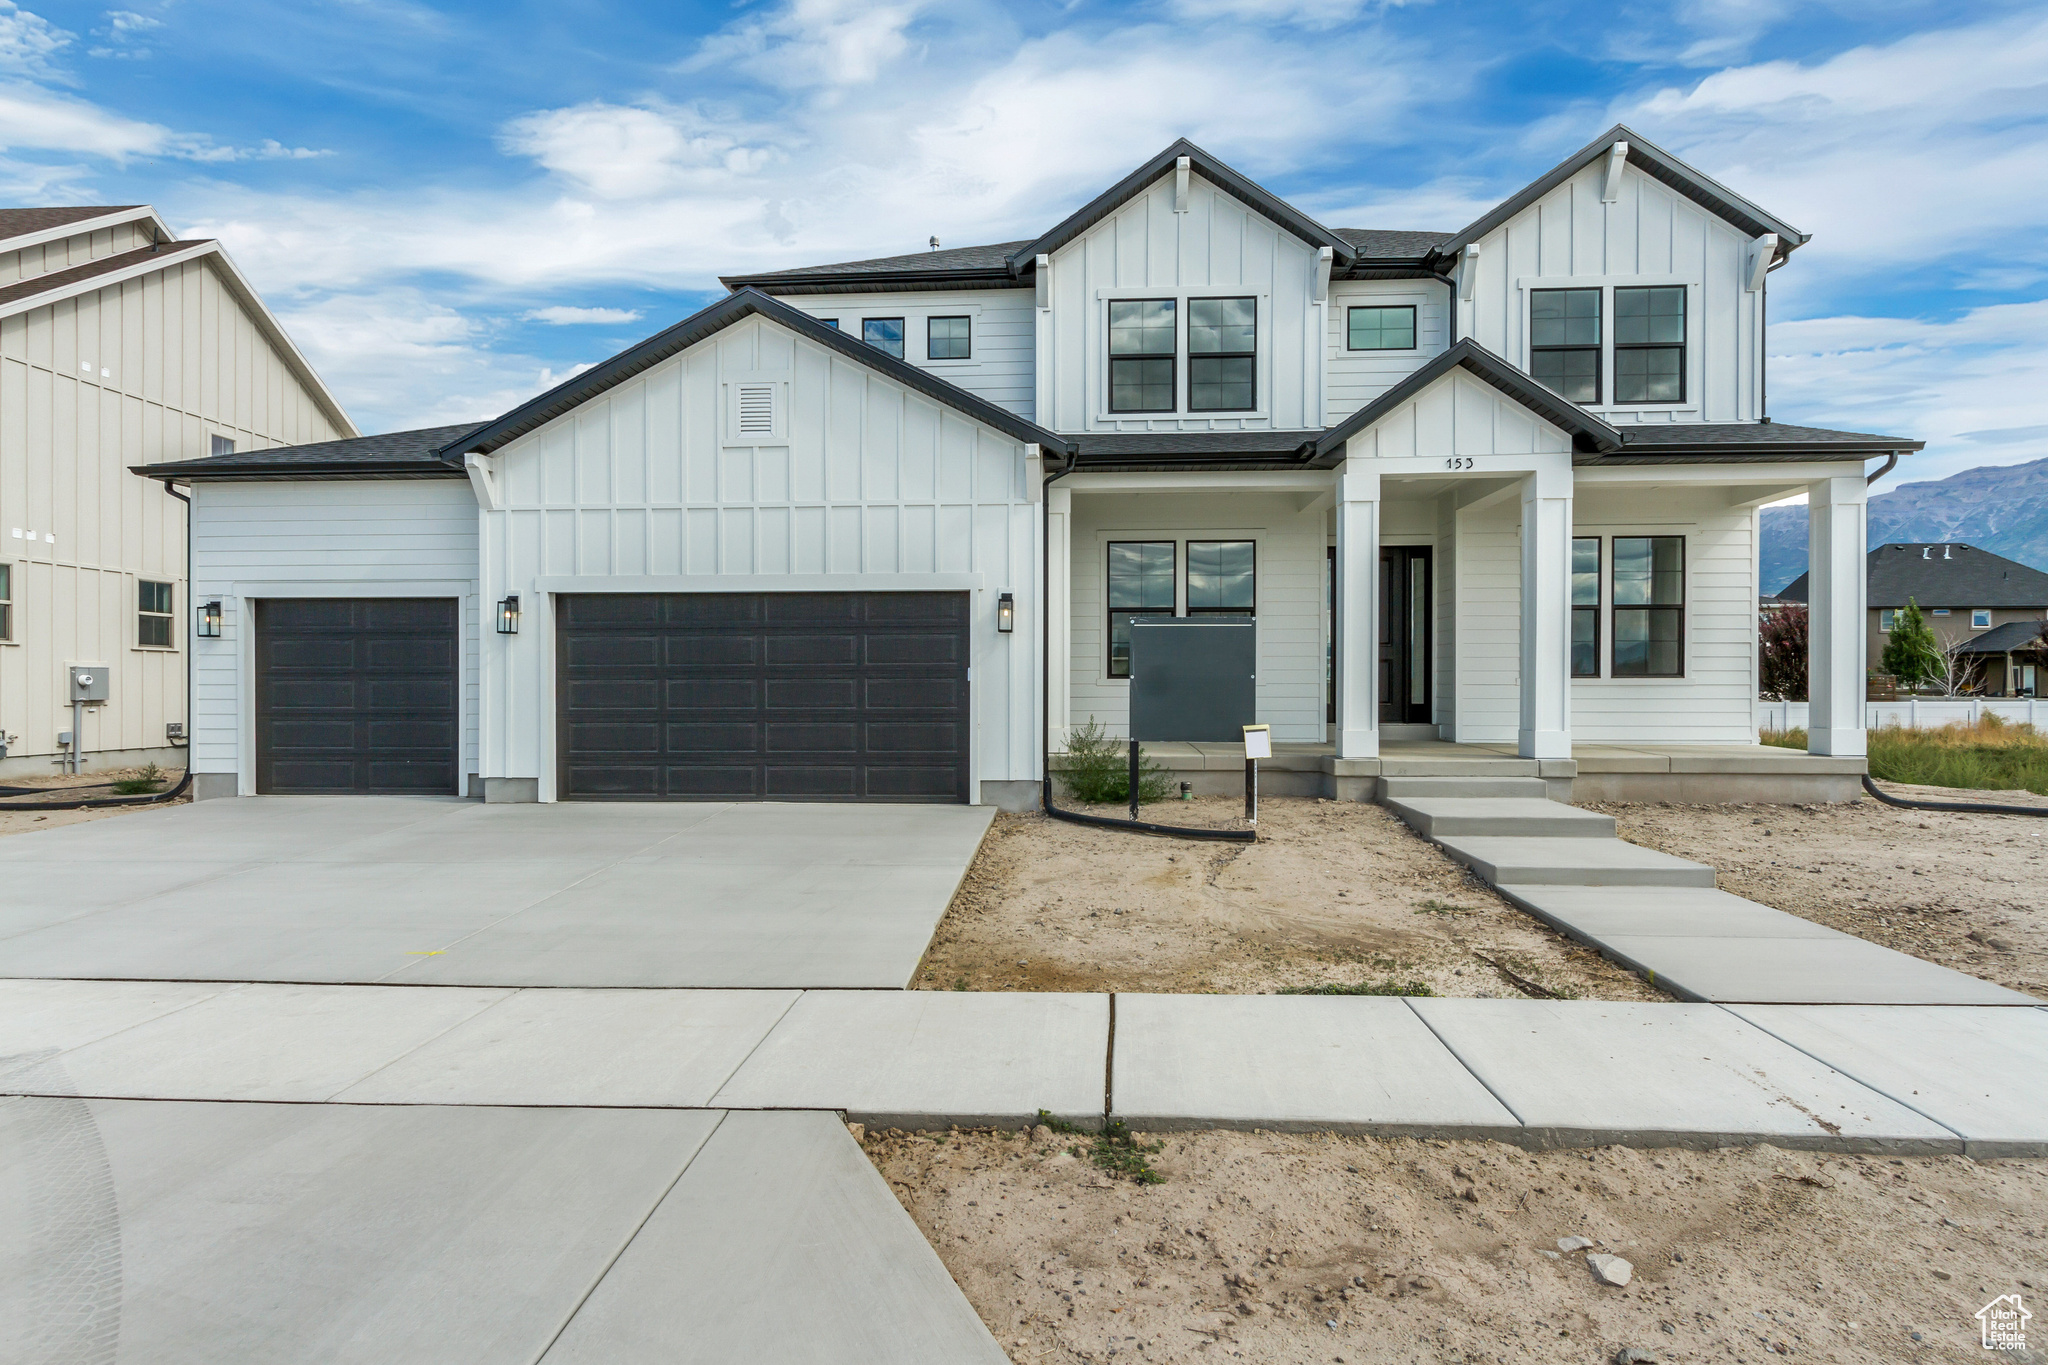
(1356,611)
(1546,683)
(1835,616)
(1059,611)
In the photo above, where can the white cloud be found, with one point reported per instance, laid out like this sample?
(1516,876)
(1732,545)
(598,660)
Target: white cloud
(1314,14)
(563,316)
(634,152)
(811,43)
(29,43)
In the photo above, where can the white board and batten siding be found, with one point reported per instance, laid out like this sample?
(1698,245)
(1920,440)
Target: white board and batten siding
(863,484)
(1000,367)
(140,372)
(346,538)
(1355,378)
(1145,250)
(1651,235)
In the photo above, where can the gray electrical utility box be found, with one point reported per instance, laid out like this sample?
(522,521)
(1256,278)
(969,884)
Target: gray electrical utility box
(1193,679)
(88,682)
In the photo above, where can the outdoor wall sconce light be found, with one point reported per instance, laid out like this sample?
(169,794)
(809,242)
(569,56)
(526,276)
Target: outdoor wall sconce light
(1006,613)
(508,616)
(209,620)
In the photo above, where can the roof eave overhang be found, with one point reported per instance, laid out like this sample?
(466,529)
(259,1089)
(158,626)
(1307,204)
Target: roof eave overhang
(707,322)
(86,225)
(1653,161)
(881,282)
(1231,182)
(205,472)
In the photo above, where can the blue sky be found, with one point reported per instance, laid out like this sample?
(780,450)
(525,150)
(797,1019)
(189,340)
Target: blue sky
(453,205)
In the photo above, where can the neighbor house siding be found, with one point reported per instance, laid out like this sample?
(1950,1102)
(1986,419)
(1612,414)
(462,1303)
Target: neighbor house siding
(1219,246)
(1651,235)
(356,538)
(1288,594)
(182,361)
(1001,368)
(868,486)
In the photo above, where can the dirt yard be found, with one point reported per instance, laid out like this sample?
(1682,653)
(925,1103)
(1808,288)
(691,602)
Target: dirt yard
(1334,893)
(64,786)
(1967,891)
(1266,1247)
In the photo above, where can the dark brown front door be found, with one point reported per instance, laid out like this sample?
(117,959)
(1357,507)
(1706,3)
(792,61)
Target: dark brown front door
(1404,635)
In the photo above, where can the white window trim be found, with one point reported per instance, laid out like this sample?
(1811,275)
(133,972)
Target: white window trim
(1341,333)
(1262,364)
(1985,612)
(1180,536)
(172,616)
(1607,284)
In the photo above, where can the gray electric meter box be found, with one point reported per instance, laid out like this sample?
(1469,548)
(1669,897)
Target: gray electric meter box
(88,682)
(1193,679)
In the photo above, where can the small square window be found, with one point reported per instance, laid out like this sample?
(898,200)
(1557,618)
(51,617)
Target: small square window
(153,615)
(833,323)
(884,334)
(220,445)
(1980,618)
(1886,617)
(1380,329)
(949,338)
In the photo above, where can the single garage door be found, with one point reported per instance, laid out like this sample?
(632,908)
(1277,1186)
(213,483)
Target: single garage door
(357,696)
(855,696)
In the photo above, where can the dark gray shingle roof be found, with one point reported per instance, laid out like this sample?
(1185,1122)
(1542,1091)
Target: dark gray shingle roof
(1387,245)
(2011,638)
(21,222)
(395,454)
(1943,574)
(961,259)
(105,265)
(1703,434)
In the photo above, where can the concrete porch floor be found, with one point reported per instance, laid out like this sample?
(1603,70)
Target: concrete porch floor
(1595,772)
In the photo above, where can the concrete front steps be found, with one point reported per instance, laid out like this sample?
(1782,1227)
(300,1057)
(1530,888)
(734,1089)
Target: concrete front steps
(1660,916)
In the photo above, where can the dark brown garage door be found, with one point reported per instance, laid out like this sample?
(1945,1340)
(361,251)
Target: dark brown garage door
(763,696)
(357,696)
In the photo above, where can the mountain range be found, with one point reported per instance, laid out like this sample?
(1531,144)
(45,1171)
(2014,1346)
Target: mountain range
(2000,508)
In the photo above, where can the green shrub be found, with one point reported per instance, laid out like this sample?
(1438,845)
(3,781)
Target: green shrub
(148,780)
(1911,653)
(1097,768)
(1993,754)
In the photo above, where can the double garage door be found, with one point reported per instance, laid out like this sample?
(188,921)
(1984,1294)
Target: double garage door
(762,696)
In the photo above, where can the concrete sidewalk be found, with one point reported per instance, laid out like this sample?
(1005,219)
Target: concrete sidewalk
(1538,1073)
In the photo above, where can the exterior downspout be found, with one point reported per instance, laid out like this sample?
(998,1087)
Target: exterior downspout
(1891,462)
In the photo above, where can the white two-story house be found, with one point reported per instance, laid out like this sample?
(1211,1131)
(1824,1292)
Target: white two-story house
(879,530)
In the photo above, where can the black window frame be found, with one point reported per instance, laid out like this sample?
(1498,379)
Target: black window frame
(1675,611)
(1597,347)
(930,341)
(151,619)
(1593,610)
(1251,356)
(1109,657)
(1187,562)
(900,329)
(833,323)
(6,599)
(1684,320)
(1171,356)
(1414,335)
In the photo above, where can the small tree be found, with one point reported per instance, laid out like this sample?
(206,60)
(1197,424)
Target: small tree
(1781,648)
(1912,654)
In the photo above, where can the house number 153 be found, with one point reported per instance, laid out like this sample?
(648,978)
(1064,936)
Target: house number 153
(1459,462)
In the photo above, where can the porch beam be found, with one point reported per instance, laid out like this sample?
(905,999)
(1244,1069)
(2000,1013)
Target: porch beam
(1791,472)
(1835,616)
(1751,495)
(1546,698)
(1167,481)
(1356,610)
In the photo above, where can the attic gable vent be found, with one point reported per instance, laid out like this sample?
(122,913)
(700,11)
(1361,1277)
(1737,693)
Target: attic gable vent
(757,409)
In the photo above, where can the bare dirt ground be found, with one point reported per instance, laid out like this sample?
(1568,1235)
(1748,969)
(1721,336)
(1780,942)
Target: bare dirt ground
(1967,891)
(1334,892)
(62,786)
(1269,1247)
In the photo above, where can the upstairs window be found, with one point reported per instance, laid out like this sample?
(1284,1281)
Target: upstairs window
(884,334)
(948,338)
(1980,618)
(1586,606)
(1223,337)
(1649,606)
(1886,617)
(1564,341)
(1380,329)
(1222,577)
(1649,345)
(1141,588)
(153,615)
(833,323)
(220,445)
(1142,333)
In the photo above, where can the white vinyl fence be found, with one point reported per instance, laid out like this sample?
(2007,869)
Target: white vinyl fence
(1913,712)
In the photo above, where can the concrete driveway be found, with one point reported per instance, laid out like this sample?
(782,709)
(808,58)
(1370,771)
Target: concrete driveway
(422,891)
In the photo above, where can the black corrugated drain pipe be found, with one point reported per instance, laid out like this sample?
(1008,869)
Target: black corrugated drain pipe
(1966,807)
(1075,817)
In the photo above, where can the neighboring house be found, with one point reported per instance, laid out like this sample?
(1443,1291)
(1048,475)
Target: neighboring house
(1992,606)
(119,345)
(1495,485)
